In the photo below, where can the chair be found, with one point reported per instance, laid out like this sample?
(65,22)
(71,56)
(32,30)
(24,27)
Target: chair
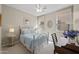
(54,37)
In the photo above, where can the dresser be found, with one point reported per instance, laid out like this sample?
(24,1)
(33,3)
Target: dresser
(68,49)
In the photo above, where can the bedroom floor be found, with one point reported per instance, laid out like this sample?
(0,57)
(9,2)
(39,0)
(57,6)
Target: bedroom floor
(20,49)
(16,49)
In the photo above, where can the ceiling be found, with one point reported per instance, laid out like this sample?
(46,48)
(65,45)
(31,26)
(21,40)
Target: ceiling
(31,8)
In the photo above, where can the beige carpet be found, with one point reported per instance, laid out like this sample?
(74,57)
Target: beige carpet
(16,49)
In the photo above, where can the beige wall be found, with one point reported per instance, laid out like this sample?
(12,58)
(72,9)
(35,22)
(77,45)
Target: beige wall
(0,30)
(15,18)
(76,17)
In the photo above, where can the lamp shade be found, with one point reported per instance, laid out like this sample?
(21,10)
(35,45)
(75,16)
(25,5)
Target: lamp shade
(11,30)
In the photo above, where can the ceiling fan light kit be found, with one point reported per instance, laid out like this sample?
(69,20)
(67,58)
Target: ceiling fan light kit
(39,8)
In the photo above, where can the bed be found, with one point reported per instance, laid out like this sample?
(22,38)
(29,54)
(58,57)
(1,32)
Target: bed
(33,40)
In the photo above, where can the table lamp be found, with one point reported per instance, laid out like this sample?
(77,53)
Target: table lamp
(11,30)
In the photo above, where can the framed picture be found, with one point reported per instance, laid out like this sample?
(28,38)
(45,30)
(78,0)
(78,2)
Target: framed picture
(26,21)
(50,24)
(62,25)
(42,24)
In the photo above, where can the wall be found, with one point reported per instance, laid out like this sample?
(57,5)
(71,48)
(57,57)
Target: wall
(76,17)
(65,15)
(0,30)
(15,18)
(0,8)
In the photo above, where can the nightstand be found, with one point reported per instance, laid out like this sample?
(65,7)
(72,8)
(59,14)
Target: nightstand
(11,39)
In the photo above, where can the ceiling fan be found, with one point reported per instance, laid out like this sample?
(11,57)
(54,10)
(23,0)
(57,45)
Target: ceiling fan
(40,8)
